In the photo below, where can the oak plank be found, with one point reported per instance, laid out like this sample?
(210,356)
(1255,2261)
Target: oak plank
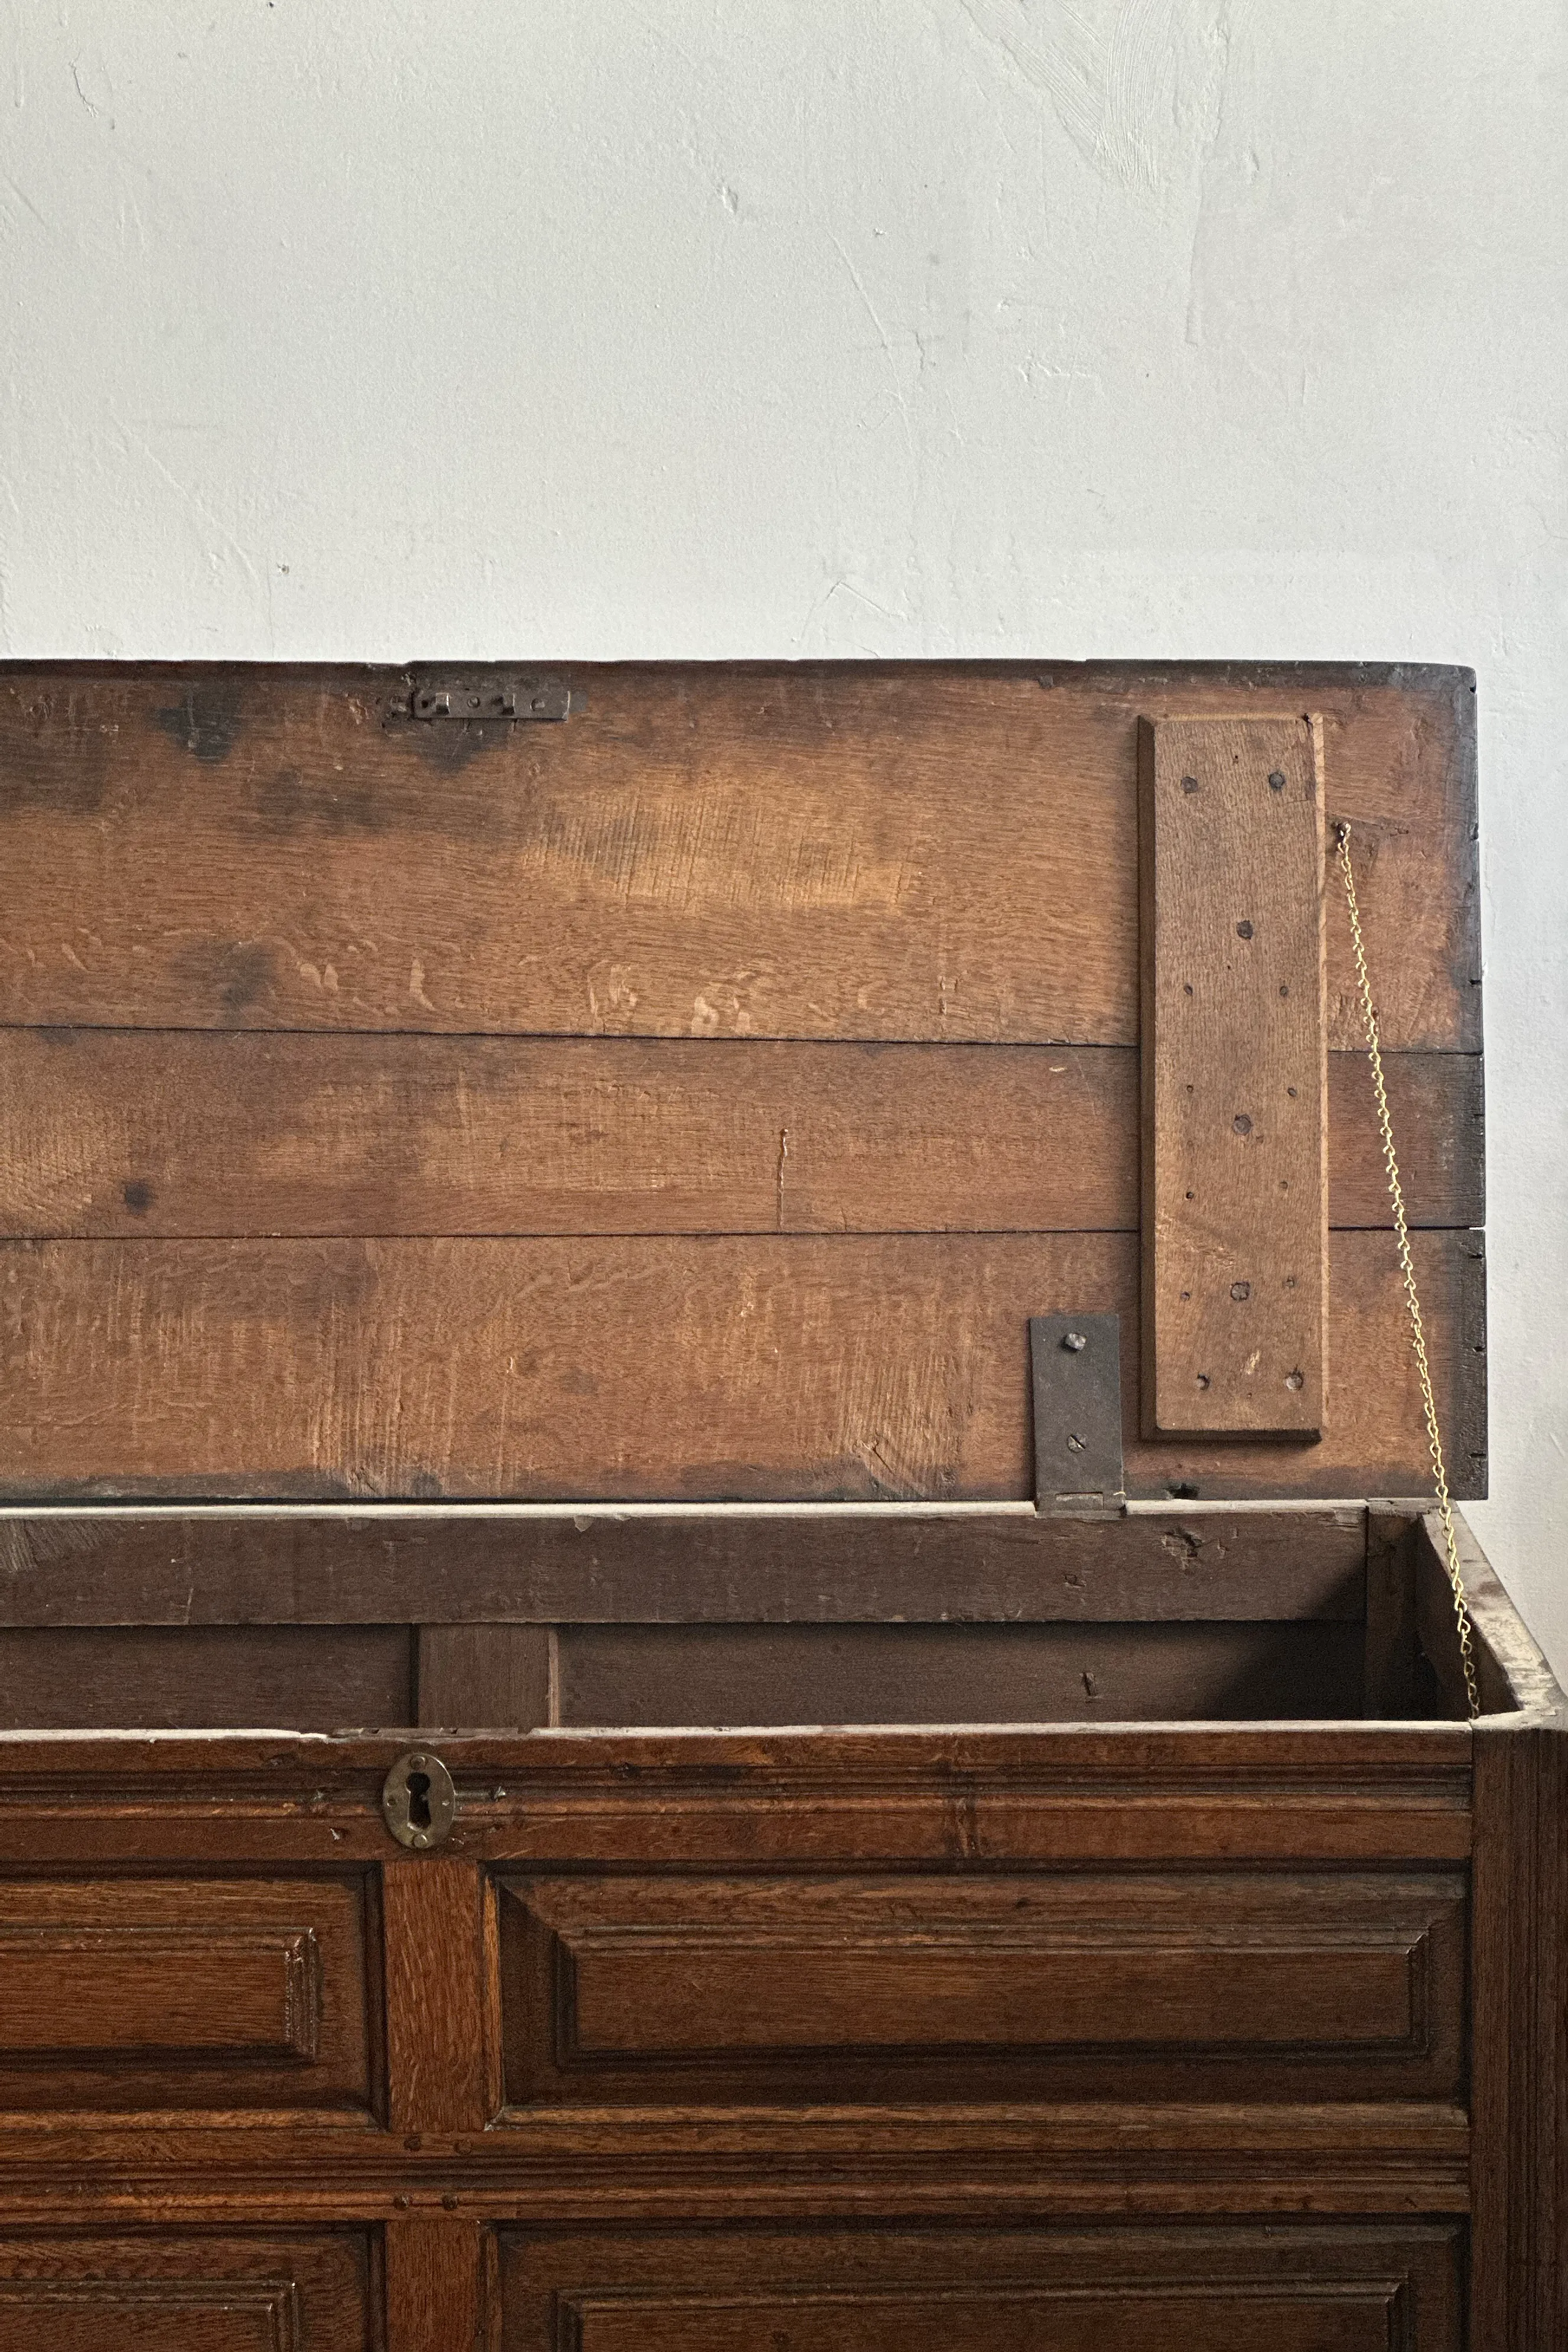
(633,1675)
(852,1368)
(1067,1988)
(124,1566)
(699,850)
(185,1134)
(176,1676)
(1235,1083)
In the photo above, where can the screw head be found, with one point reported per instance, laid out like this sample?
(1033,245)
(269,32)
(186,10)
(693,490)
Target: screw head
(1276,780)
(1074,1342)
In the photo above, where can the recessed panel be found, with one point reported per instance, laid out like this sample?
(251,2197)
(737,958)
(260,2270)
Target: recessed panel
(1282,2289)
(692,1989)
(151,1994)
(165,2293)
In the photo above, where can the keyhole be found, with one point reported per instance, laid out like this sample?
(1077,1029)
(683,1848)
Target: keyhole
(419,1803)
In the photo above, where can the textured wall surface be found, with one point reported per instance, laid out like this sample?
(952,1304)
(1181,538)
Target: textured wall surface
(691,327)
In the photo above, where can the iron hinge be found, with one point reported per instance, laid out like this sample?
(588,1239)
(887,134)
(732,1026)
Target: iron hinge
(1076,1361)
(471,697)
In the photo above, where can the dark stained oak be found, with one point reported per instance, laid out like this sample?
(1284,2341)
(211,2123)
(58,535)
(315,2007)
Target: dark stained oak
(698,851)
(181,1134)
(151,1992)
(1071,1988)
(479,1674)
(441,2064)
(441,2293)
(1520,2151)
(279,2291)
(697,1675)
(220,1677)
(121,1565)
(1160,2291)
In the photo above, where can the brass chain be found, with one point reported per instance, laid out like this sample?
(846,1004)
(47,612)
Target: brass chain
(1407,1270)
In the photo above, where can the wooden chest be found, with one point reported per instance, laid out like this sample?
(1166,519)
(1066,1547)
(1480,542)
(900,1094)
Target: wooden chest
(717,1622)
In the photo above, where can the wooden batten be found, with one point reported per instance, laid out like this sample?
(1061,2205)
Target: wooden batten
(1235,1080)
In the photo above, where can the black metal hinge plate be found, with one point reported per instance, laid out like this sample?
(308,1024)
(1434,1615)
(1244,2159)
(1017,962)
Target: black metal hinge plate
(1077,1370)
(471,696)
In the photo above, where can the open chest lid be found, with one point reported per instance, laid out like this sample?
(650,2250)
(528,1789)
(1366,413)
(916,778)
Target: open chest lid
(693,1082)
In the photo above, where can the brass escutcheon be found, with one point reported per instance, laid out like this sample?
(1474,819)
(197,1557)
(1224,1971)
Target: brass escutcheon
(419,1803)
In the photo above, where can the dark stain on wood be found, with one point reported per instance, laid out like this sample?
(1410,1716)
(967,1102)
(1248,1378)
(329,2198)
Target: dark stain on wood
(206,721)
(288,802)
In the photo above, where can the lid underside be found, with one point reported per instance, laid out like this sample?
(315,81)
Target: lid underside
(691,1097)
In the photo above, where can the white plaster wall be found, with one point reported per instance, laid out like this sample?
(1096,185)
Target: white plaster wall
(369,328)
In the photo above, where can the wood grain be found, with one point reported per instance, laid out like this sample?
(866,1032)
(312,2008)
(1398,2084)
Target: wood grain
(441,2059)
(1062,1988)
(158,1993)
(1014,1796)
(700,851)
(121,1566)
(184,1134)
(854,1368)
(267,2290)
(1235,1127)
(439,2274)
(1519,2098)
(479,1674)
(173,1676)
(698,1674)
(1165,2290)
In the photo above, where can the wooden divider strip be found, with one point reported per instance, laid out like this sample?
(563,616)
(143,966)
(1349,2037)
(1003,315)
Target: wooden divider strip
(441,2066)
(478,1674)
(441,2287)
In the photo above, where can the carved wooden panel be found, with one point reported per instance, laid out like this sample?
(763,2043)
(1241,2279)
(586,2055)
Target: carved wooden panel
(1282,2290)
(279,2293)
(181,1993)
(690,1990)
